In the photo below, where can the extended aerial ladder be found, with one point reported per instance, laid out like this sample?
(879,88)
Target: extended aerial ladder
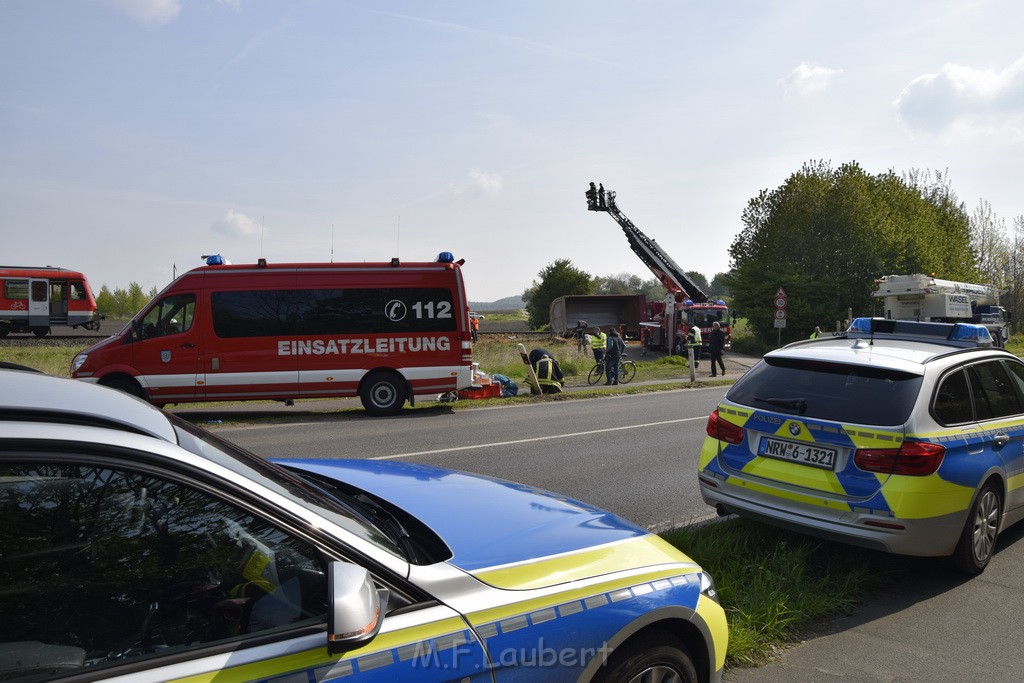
(668,272)
(682,291)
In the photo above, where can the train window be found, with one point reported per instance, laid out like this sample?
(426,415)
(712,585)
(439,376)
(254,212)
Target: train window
(77,289)
(40,289)
(15,289)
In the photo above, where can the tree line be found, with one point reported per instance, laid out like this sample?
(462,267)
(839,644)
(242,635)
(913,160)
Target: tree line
(825,235)
(122,304)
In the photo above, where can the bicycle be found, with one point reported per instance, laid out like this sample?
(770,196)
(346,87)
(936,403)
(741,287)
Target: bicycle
(627,371)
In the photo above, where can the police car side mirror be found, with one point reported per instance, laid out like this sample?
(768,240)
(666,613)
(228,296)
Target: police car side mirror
(356,609)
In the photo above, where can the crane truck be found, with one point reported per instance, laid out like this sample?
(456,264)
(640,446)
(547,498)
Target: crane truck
(930,299)
(685,303)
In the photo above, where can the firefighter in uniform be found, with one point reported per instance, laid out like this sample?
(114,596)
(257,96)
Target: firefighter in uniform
(549,375)
(598,342)
(694,342)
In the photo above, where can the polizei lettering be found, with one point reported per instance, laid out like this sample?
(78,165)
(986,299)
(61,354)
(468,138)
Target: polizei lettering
(335,347)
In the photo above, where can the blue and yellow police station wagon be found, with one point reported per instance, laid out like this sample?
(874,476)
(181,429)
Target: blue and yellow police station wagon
(135,546)
(899,436)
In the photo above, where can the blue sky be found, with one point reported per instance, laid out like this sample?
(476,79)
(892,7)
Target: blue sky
(139,134)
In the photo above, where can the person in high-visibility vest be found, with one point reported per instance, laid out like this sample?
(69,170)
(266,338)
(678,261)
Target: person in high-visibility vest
(693,341)
(475,326)
(598,342)
(549,375)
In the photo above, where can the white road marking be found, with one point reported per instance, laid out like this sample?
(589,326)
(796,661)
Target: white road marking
(534,439)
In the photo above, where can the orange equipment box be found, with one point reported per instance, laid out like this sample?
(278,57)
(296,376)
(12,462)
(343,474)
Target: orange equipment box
(492,390)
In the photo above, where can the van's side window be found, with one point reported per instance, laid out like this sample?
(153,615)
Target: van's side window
(285,312)
(171,315)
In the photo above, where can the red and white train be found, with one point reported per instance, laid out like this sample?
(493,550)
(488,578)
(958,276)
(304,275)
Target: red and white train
(34,299)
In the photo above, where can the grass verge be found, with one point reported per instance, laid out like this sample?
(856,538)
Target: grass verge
(777,586)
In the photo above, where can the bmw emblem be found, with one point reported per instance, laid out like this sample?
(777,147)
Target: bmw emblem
(794,429)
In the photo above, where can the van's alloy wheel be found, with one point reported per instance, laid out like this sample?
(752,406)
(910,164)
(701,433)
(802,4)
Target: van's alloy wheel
(383,394)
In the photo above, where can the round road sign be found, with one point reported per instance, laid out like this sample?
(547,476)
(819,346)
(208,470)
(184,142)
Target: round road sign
(780,314)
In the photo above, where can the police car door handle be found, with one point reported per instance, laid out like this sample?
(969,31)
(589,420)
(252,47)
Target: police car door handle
(188,345)
(1001,439)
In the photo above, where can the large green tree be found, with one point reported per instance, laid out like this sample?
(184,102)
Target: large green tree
(827,233)
(560,278)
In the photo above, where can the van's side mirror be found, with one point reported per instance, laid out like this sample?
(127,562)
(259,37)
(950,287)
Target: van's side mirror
(356,609)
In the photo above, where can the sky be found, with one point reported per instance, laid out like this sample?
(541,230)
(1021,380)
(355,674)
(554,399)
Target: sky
(139,135)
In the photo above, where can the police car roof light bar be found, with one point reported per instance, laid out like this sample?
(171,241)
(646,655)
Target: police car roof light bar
(951,334)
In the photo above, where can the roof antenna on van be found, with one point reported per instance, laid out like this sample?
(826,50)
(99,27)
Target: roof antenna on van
(332,242)
(398,238)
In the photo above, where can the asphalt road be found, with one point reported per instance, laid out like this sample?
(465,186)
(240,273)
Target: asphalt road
(635,455)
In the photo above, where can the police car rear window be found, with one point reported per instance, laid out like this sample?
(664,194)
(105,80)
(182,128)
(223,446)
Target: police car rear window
(828,391)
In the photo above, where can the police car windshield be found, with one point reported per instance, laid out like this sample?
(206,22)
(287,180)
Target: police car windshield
(829,391)
(253,468)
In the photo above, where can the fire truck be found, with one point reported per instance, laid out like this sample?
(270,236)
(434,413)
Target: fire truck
(35,298)
(927,298)
(685,303)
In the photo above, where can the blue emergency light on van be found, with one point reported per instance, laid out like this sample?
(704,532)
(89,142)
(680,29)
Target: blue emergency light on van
(214,260)
(446,257)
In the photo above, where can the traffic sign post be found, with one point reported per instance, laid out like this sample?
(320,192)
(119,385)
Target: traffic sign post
(780,312)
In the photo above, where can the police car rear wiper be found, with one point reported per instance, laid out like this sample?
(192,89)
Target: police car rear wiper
(790,403)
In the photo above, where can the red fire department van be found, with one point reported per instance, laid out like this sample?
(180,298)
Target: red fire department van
(385,332)
(32,299)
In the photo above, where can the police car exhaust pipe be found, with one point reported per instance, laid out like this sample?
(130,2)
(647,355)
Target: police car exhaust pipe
(722,510)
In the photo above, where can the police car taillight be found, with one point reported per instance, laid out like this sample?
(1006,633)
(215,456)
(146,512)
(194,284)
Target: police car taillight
(717,428)
(912,458)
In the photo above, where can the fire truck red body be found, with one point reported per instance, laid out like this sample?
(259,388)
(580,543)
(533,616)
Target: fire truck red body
(385,332)
(688,313)
(34,299)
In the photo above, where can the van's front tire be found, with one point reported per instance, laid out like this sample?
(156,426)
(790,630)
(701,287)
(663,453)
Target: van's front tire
(383,393)
(125,384)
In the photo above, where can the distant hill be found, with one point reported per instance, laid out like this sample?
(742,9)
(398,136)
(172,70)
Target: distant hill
(509,302)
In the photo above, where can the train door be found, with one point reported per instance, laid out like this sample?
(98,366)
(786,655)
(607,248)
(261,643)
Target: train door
(58,302)
(39,303)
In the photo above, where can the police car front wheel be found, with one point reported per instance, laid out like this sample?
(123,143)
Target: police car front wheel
(660,658)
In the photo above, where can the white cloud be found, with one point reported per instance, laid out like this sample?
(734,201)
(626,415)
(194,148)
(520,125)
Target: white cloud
(962,102)
(149,11)
(807,78)
(235,224)
(490,183)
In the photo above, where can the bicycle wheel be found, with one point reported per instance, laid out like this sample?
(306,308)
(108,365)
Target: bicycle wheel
(596,373)
(627,371)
